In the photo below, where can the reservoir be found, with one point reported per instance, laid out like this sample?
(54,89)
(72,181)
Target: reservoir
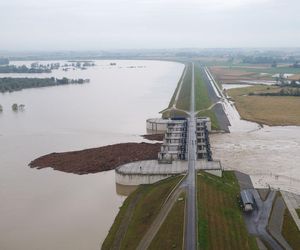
(47,209)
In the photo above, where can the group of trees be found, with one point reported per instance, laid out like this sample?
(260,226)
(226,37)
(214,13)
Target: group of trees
(286,91)
(9,84)
(4,61)
(295,65)
(23,69)
(15,107)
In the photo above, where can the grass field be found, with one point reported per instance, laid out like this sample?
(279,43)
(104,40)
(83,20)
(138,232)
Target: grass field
(170,235)
(220,221)
(144,212)
(213,118)
(269,110)
(298,212)
(290,231)
(176,90)
(202,100)
(184,99)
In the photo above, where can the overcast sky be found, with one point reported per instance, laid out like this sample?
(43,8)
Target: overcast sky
(138,24)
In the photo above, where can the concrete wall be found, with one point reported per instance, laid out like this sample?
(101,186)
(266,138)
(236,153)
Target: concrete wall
(156,125)
(137,179)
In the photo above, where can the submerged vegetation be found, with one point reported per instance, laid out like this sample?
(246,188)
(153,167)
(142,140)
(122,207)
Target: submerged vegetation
(9,84)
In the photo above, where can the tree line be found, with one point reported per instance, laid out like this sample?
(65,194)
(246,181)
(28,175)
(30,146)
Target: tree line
(9,84)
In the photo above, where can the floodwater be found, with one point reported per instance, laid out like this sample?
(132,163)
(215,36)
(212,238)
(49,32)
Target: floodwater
(234,86)
(270,155)
(47,209)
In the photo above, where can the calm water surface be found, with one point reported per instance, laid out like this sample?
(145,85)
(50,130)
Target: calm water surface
(47,209)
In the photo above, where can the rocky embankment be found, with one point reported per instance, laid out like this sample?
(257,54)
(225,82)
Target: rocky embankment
(96,160)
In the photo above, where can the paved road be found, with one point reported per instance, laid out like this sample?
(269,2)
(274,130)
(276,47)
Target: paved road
(191,213)
(258,220)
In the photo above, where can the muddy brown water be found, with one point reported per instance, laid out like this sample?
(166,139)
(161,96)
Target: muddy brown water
(47,209)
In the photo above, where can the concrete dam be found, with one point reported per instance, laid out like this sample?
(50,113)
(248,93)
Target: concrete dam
(172,158)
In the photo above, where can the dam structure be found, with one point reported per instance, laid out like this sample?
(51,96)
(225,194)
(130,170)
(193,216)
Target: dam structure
(173,156)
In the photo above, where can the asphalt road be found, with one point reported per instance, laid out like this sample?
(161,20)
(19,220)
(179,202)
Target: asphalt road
(191,213)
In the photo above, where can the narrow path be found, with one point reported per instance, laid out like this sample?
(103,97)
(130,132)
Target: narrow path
(209,108)
(159,220)
(125,222)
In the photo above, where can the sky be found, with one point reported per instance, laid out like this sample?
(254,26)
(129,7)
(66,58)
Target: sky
(147,24)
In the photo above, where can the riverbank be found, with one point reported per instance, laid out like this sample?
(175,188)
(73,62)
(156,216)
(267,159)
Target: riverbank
(97,160)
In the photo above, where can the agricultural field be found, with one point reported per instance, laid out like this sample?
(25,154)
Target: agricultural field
(237,75)
(170,235)
(269,110)
(220,221)
(137,214)
(290,231)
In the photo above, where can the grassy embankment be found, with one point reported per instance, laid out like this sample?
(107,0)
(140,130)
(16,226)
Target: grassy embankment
(170,235)
(183,101)
(220,221)
(150,200)
(202,100)
(290,231)
(269,110)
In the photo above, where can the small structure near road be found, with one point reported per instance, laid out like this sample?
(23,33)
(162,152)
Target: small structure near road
(247,200)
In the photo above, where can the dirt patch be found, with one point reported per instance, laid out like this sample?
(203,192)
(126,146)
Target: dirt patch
(154,137)
(96,160)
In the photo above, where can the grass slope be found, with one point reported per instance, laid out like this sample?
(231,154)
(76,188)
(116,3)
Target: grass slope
(290,231)
(202,100)
(176,90)
(145,211)
(220,221)
(270,110)
(170,235)
(184,99)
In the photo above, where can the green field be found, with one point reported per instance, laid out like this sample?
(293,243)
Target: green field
(220,221)
(184,99)
(148,203)
(290,231)
(202,100)
(170,235)
(176,90)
